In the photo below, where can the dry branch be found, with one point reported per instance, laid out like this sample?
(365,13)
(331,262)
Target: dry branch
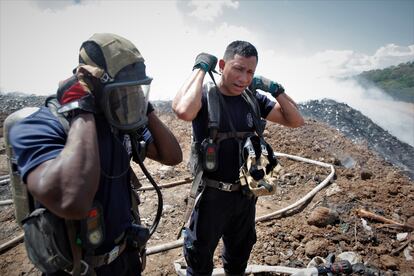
(389,222)
(11,243)
(369,215)
(167,185)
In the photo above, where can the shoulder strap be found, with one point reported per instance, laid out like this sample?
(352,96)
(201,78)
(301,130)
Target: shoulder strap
(213,107)
(53,104)
(250,98)
(216,103)
(215,100)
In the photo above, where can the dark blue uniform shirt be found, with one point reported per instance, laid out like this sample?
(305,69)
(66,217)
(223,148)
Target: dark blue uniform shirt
(41,137)
(241,115)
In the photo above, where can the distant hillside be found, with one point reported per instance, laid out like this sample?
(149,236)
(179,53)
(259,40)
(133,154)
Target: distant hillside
(396,81)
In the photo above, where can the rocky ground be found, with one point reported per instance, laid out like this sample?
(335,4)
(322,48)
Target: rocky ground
(328,223)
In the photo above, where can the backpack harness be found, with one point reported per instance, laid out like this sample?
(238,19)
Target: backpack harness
(256,157)
(44,230)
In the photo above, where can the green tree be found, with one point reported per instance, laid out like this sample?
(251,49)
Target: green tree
(397,81)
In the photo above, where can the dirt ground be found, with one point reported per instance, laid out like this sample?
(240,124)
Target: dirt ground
(362,180)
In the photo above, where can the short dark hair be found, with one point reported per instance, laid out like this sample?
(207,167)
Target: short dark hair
(242,48)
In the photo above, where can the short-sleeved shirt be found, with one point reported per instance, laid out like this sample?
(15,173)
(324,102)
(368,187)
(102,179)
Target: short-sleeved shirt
(41,137)
(242,118)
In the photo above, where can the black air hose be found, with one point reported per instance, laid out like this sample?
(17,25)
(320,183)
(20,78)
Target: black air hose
(137,158)
(159,194)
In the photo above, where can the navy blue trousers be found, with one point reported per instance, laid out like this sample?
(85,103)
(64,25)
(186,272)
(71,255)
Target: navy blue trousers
(219,214)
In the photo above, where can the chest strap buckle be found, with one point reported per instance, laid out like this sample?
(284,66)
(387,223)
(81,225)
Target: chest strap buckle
(222,186)
(225,186)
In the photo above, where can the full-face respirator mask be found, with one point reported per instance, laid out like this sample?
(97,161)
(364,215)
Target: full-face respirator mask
(124,102)
(257,174)
(113,69)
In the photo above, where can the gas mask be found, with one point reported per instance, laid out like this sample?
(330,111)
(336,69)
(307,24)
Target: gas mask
(257,172)
(125,104)
(124,85)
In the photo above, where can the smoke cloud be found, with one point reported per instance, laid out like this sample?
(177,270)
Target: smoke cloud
(169,45)
(329,74)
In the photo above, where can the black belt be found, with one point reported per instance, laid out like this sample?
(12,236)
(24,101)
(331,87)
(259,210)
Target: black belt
(223,186)
(109,257)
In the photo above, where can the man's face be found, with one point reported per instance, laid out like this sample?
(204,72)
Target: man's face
(237,74)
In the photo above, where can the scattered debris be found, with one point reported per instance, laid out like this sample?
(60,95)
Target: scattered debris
(349,256)
(365,175)
(322,217)
(394,194)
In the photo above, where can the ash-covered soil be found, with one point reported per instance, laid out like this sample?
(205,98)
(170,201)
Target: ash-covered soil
(361,129)
(364,179)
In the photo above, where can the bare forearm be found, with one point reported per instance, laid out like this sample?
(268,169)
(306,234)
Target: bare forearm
(290,111)
(67,184)
(81,153)
(187,102)
(165,147)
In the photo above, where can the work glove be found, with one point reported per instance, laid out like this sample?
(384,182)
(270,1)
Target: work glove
(205,62)
(75,94)
(150,108)
(266,85)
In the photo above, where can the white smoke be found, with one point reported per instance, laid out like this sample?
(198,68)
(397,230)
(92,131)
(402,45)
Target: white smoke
(49,37)
(329,74)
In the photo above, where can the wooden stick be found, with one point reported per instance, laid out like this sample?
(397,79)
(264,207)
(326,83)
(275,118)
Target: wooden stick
(11,243)
(164,247)
(404,227)
(355,232)
(366,214)
(167,185)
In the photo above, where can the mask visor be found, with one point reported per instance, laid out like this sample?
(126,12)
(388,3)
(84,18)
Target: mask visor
(126,105)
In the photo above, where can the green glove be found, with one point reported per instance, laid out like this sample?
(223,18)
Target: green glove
(266,85)
(205,62)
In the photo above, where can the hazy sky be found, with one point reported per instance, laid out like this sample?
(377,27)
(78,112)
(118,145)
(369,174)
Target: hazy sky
(39,40)
(308,46)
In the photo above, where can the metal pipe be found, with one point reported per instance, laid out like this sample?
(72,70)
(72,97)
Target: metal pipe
(6,202)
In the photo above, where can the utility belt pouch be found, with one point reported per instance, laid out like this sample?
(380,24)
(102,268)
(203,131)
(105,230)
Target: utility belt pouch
(137,237)
(209,151)
(92,228)
(46,241)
